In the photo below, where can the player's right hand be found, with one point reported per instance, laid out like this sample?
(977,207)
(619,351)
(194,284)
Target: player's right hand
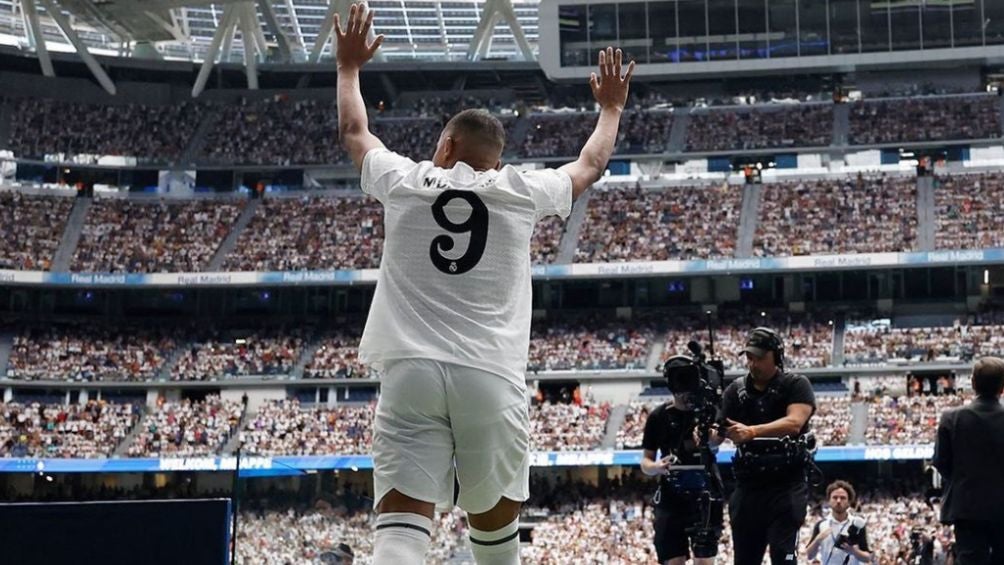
(351,48)
(610,88)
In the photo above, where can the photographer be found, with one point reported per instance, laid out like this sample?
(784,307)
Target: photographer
(768,413)
(841,539)
(688,512)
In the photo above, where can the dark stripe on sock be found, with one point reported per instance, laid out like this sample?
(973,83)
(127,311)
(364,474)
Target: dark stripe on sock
(498,541)
(404,525)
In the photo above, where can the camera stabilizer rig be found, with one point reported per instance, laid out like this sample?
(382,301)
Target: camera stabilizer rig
(703,382)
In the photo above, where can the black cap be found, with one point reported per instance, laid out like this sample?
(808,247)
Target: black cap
(760,341)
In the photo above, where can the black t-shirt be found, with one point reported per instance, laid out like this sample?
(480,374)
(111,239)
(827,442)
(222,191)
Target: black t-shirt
(762,407)
(670,430)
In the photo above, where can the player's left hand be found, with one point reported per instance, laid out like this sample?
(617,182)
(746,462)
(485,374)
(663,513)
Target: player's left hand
(739,433)
(352,51)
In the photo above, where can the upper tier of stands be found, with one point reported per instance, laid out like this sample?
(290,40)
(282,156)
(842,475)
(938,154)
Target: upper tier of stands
(284,131)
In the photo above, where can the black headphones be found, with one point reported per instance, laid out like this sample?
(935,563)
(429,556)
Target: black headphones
(768,339)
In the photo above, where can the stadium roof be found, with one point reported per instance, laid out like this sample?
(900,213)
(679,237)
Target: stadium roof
(279,30)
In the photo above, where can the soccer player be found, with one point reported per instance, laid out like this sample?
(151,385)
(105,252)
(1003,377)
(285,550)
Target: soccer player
(449,326)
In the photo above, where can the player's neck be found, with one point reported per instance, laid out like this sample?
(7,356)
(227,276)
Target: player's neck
(841,517)
(761,385)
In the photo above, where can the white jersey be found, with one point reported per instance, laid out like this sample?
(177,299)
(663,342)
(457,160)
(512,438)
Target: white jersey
(828,553)
(454,280)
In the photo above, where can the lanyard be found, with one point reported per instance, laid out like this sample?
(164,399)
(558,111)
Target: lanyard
(834,538)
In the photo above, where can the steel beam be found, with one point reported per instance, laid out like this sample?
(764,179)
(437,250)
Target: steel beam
(99,73)
(36,37)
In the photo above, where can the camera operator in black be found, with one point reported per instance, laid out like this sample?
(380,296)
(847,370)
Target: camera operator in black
(670,431)
(768,505)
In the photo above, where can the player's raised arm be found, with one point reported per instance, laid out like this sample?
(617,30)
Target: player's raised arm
(610,90)
(352,52)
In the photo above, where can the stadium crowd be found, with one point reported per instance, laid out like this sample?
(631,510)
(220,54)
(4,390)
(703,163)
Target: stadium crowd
(907,420)
(574,426)
(968,211)
(217,354)
(562,134)
(633,224)
(925,119)
(89,353)
(45,126)
(93,429)
(276,131)
(808,339)
(589,344)
(822,217)
(284,427)
(878,343)
(310,233)
(337,357)
(789,126)
(127,236)
(30,229)
(187,428)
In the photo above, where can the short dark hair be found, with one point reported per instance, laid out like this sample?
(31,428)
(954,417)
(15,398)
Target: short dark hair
(852,496)
(479,127)
(988,376)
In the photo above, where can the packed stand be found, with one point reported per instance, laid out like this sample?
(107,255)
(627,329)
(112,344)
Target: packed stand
(30,229)
(907,420)
(337,357)
(968,211)
(187,428)
(875,343)
(285,427)
(823,217)
(633,224)
(413,138)
(798,126)
(832,420)
(296,536)
(310,233)
(125,236)
(429,105)
(546,241)
(587,345)
(217,354)
(86,430)
(41,126)
(613,532)
(925,119)
(632,431)
(559,426)
(90,353)
(557,134)
(562,134)
(275,132)
(808,340)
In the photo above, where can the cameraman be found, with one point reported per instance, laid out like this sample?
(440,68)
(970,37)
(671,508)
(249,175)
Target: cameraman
(769,504)
(841,539)
(671,431)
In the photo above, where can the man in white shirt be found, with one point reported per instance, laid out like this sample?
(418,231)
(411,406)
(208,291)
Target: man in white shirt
(841,539)
(449,326)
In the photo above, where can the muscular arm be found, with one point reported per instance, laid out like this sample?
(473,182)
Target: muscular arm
(352,52)
(610,90)
(595,154)
(791,424)
(353,124)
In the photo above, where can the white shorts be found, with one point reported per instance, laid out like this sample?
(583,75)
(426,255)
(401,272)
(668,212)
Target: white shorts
(437,421)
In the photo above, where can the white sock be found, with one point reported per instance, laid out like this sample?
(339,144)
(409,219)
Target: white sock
(402,538)
(500,547)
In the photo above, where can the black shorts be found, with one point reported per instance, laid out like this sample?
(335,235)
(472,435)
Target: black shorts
(672,521)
